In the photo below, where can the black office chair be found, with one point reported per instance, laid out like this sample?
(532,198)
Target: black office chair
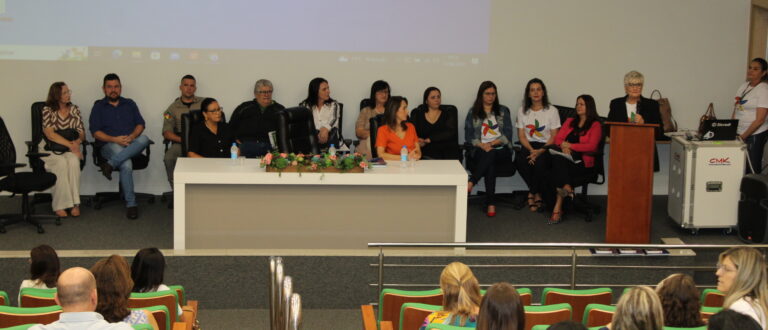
(347,142)
(296,131)
(375,122)
(22,183)
(505,167)
(187,121)
(581,202)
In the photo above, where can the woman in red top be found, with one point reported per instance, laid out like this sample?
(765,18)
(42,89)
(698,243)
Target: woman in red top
(396,132)
(578,137)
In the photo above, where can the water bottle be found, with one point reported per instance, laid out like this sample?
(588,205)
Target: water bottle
(404,157)
(332,149)
(233,153)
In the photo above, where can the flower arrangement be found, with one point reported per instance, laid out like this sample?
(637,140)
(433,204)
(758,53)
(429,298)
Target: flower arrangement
(279,162)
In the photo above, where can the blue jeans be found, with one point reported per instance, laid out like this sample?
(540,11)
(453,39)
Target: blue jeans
(119,158)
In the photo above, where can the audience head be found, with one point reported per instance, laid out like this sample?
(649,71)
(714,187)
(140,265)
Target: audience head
(59,93)
(147,270)
(680,301)
(76,290)
(188,86)
(757,70)
(396,112)
(211,110)
(114,284)
(567,325)
(535,92)
(741,272)
(585,106)
(633,84)
(262,91)
(501,309)
(318,92)
(112,87)
(44,265)
(731,320)
(487,95)
(638,309)
(433,98)
(461,291)
(380,93)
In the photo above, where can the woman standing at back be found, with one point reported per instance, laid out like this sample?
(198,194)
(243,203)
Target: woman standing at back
(461,297)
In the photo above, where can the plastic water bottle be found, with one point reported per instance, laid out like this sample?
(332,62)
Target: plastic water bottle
(233,153)
(404,157)
(332,149)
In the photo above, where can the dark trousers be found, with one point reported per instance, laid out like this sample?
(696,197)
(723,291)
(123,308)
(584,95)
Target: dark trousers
(485,167)
(254,149)
(534,174)
(755,144)
(565,172)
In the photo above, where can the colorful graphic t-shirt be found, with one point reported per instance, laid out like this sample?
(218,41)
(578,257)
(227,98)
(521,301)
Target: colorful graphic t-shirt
(490,129)
(538,125)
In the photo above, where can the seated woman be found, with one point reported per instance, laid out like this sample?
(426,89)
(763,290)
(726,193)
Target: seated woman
(44,269)
(488,127)
(113,286)
(680,301)
(741,274)
(147,271)
(396,132)
(638,309)
(375,106)
(634,108)
(501,309)
(461,297)
(436,126)
(60,114)
(211,138)
(537,124)
(579,136)
(325,111)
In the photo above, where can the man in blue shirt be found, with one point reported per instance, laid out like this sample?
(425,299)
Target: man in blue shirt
(116,124)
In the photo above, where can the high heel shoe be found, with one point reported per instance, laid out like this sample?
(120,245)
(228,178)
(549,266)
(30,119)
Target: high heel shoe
(555,218)
(491,213)
(565,193)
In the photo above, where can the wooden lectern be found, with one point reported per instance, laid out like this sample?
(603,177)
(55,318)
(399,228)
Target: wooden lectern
(630,183)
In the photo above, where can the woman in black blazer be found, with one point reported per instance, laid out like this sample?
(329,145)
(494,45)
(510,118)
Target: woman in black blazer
(634,108)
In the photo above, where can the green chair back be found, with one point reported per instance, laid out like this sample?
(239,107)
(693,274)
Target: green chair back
(167,298)
(161,315)
(22,327)
(181,293)
(547,314)
(4,301)
(142,327)
(712,298)
(598,315)
(34,297)
(578,299)
(412,315)
(12,316)
(391,301)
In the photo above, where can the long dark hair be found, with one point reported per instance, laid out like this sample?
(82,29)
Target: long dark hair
(527,102)
(113,285)
(592,115)
(477,107)
(680,301)
(44,265)
(378,85)
(763,65)
(54,95)
(390,112)
(147,270)
(501,309)
(312,90)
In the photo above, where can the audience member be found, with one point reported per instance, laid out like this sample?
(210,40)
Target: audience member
(380,93)
(680,301)
(741,275)
(567,325)
(501,309)
(728,319)
(147,272)
(638,309)
(116,123)
(579,136)
(537,125)
(62,118)
(325,111)
(437,127)
(488,128)
(78,298)
(751,108)
(172,121)
(461,297)
(44,269)
(211,138)
(253,121)
(396,132)
(634,108)
(114,284)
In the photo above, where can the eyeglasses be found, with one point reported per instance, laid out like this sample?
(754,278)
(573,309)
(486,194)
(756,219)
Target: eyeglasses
(634,85)
(724,268)
(264,92)
(215,110)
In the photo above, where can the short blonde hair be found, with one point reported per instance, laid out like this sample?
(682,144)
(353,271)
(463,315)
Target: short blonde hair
(461,291)
(633,77)
(638,309)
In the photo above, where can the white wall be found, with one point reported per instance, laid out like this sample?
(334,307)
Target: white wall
(695,51)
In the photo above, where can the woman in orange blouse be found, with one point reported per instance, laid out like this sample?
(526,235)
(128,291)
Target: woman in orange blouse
(396,132)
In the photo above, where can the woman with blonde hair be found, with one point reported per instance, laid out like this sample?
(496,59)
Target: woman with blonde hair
(638,309)
(461,297)
(741,275)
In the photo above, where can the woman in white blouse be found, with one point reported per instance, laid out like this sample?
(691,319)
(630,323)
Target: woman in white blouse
(750,108)
(741,275)
(325,111)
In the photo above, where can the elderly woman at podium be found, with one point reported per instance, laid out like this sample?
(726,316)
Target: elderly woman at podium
(634,108)
(578,139)
(212,138)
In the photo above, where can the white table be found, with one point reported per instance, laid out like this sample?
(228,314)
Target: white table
(221,205)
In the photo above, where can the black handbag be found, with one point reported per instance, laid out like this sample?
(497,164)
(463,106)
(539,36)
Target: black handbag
(70,134)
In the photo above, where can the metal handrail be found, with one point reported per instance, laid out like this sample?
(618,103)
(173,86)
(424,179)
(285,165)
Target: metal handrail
(560,245)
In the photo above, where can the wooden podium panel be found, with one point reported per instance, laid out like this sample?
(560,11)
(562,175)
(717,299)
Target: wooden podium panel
(630,183)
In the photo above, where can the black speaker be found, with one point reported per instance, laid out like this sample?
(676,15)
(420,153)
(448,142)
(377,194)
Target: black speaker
(753,209)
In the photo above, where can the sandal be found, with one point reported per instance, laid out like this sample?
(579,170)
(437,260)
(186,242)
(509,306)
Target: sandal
(555,218)
(60,213)
(534,204)
(75,211)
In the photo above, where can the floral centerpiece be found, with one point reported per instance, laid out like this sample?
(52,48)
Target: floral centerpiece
(291,162)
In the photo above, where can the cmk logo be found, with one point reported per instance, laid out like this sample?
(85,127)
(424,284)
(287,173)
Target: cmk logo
(720,161)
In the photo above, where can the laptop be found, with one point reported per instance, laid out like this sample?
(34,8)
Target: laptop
(719,130)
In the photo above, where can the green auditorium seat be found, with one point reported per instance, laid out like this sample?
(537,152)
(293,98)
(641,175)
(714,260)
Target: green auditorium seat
(32,297)
(412,315)
(547,314)
(598,315)
(578,299)
(391,301)
(22,327)
(168,298)
(160,313)
(13,316)
(4,301)
(707,312)
(712,298)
